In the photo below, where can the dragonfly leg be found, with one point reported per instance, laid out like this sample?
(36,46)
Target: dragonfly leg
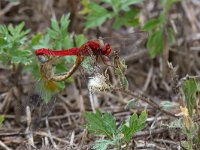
(106,60)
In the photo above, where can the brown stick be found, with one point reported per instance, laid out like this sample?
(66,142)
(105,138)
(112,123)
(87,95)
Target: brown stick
(148,101)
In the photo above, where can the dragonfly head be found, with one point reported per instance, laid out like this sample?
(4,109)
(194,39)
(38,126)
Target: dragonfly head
(43,58)
(106,50)
(42,55)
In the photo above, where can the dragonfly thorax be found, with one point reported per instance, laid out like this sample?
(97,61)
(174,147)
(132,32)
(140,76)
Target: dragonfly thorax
(106,50)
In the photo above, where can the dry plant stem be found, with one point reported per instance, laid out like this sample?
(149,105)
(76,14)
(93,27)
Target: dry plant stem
(165,55)
(83,138)
(91,97)
(4,146)
(49,132)
(148,101)
(18,106)
(72,139)
(148,80)
(80,100)
(29,134)
(8,8)
(190,14)
(167,141)
(4,107)
(53,137)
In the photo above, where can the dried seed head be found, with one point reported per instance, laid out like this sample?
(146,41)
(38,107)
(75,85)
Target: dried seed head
(98,83)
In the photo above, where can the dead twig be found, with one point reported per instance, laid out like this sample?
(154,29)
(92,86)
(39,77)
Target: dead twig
(50,136)
(4,146)
(148,101)
(150,132)
(53,137)
(8,7)
(29,133)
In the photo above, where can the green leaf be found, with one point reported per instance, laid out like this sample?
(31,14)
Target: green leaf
(36,38)
(163,19)
(135,124)
(171,37)
(54,25)
(64,21)
(102,144)
(1,120)
(98,15)
(190,88)
(128,18)
(2,41)
(126,3)
(80,40)
(155,43)
(150,25)
(101,124)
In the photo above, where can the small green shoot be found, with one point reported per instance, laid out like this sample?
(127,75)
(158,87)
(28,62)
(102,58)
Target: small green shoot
(190,89)
(187,126)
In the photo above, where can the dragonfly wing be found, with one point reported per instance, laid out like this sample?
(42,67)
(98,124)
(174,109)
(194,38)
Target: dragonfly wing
(127,43)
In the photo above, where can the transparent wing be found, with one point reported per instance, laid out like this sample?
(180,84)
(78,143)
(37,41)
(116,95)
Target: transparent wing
(127,43)
(90,62)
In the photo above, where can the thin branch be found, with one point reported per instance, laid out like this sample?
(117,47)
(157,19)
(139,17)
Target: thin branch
(148,101)
(4,146)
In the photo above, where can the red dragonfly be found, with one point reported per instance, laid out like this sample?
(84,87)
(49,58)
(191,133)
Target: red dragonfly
(96,48)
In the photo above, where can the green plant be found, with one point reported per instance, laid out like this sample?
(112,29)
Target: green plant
(105,125)
(1,120)
(16,48)
(160,34)
(189,87)
(14,55)
(120,12)
(57,37)
(13,46)
(187,127)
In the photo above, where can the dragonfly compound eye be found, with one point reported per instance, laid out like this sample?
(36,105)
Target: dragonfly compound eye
(42,58)
(106,49)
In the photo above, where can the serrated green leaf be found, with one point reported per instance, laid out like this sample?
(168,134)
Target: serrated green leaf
(80,40)
(101,124)
(65,22)
(127,18)
(54,25)
(98,15)
(190,89)
(102,144)
(15,60)
(135,124)
(36,38)
(19,28)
